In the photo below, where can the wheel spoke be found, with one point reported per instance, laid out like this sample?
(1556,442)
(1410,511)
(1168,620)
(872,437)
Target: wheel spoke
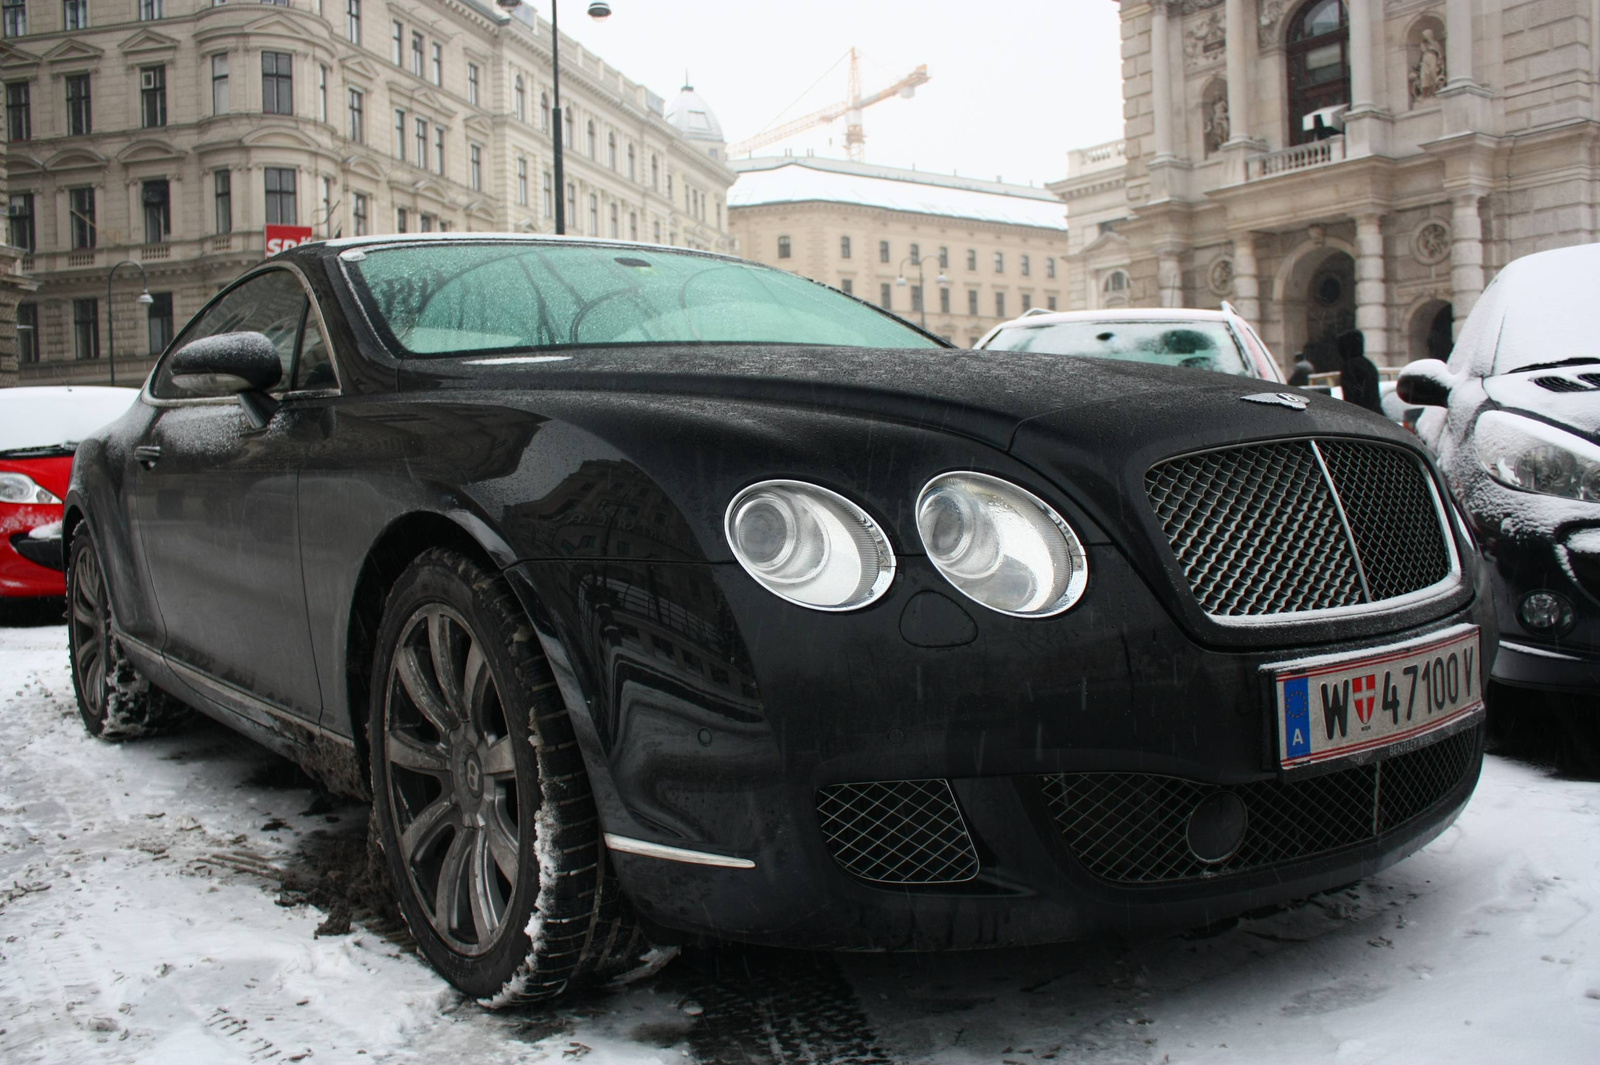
(83,612)
(426,826)
(408,753)
(502,846)
(475,685)
(424,696)
(447,890)
(441,643)
(500,760)
(487,909)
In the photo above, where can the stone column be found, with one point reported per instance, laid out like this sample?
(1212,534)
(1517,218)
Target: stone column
(1361,58)
(1458,43)
(1372,294)
(1169,278)
(1161,80)
(1466,254)
(1246,286)
(1239,69)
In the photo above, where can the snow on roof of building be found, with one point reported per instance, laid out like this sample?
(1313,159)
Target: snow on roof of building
(800,180)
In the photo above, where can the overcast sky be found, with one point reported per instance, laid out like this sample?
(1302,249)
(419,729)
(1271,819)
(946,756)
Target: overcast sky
(1012,87)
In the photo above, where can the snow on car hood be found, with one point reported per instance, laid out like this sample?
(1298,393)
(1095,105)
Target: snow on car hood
(1578,410)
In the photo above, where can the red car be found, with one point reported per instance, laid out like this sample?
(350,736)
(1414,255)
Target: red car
(39,430)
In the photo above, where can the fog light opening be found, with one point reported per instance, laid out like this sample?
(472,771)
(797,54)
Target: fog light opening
(1546,613)
(1217,827)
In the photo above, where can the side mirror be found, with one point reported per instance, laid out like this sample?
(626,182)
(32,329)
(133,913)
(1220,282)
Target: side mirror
(228,364)
(1425,383)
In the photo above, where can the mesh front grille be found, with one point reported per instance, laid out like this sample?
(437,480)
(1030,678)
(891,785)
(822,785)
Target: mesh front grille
(1132,828)
(1257,530)
(897,832)
(1391,514)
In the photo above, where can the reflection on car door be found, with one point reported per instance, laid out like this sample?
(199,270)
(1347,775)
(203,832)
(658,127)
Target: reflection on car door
(217,503)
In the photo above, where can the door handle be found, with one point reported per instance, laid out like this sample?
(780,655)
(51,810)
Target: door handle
(147,454)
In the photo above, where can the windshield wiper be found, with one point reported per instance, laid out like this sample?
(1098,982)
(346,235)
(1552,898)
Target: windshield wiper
(1581,360)
(42,451)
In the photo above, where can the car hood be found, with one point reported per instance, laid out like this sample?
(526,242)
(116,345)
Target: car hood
(986,396)
(1578,409)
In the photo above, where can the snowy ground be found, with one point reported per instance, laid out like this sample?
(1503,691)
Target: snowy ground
(140,920)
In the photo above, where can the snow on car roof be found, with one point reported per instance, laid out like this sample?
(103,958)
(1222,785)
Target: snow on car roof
(797,182)
(46,415)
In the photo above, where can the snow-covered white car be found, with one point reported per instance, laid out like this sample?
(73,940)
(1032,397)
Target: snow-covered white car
(1515,420)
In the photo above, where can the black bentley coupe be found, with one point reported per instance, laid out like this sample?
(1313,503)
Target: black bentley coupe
(653,594)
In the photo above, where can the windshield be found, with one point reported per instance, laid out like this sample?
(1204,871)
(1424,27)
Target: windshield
(1551,315)
(57,417)
(453,299)
(1197,345)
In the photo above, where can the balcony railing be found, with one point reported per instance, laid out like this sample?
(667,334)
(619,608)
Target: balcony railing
(155,251)
(1300,157)
(83,257)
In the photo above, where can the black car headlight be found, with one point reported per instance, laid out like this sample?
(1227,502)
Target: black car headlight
(1536,457)
(1000,545)
(809,545)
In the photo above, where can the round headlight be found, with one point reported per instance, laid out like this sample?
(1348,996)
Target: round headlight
(809,545)
(1001,545)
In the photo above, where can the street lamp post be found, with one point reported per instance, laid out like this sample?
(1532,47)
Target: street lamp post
(599,11)
(143,298)
(922,284)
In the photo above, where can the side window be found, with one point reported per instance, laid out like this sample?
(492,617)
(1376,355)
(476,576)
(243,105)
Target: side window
(314,369)
(272,303)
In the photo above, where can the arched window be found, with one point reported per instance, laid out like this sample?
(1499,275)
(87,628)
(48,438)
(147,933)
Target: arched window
(1114,289)
(611,150)
(589,129)
(1319,63)
(519,100)
(544,112)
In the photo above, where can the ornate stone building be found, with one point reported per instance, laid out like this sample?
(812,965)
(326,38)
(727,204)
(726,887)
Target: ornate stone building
(988,251)
(171,132)
(1333,163)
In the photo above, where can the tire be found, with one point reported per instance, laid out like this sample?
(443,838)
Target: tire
(1579,723)
(483,806)
(115,700)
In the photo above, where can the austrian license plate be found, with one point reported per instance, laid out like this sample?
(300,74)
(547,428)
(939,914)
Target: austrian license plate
(1337,706)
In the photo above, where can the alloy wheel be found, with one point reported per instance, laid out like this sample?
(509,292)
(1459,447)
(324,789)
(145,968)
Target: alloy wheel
(452,779)
(89,631)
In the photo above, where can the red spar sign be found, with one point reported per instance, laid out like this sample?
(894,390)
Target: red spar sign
(282,238)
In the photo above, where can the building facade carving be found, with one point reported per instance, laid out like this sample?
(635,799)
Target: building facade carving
(173,139)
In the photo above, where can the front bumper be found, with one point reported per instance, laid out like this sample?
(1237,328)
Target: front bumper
(1562,563)
(716,718)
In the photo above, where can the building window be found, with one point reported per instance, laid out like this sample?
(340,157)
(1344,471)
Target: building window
(632,167)
(916,297)
(1025,265)
(475,166)
(86,329)
(522,180)
(157,200)
(358,116)
(352,20)
(16,17)
(999,262)
(783,247)
(1116,283)
(972,301)
(655,173)
(438,150)
(149,10)
(883,251)
(80,114)
(358,214)
(916,252)
(972,258)
(1050,266)
(1000,304)
(616,228)
(277,83)
(589,130)
(416,53)
(422,142)
(549,195)
(519,99)
(19,111)
(322,93)
(80,205)
(401,220)
(28,333)
(656,233)
(544,112)
(611,150)
(1050,303)
(21,233)
(633,225)
(571,130)
(222,185)
(220,104)
(75,14)
(152,96)
(397,43)
(1027,302)
(438,64)
(847,286)
(472,84)
(327,206)
(944,257)
(160,321)
(1318,64)
(844,247)
(572,203)
(399,134)
(594,215)
(281,206)
(425,222)
(886,295)
(944,301)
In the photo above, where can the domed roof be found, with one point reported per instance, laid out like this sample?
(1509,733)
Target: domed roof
(694,117)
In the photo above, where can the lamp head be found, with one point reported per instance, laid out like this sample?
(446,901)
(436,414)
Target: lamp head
(145,298)
(599,10)
(899,280)
(508,6)
(943,280)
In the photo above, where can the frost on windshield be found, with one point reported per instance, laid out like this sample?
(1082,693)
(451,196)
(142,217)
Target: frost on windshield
(1197,345)
(498,297)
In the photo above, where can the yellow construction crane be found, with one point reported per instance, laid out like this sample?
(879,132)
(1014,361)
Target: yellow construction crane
(854,137)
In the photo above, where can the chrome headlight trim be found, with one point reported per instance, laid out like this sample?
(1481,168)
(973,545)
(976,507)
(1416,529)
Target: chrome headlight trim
(822,525)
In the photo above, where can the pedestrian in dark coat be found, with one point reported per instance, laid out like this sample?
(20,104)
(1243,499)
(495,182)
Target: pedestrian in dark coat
(1301,375)
(1358,377)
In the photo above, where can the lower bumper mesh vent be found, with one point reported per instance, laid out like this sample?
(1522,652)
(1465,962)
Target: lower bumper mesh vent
(897,832)
(1132,828)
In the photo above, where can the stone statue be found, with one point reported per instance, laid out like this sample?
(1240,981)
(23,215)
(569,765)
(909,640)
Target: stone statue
(1217,126)
(1428,76)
